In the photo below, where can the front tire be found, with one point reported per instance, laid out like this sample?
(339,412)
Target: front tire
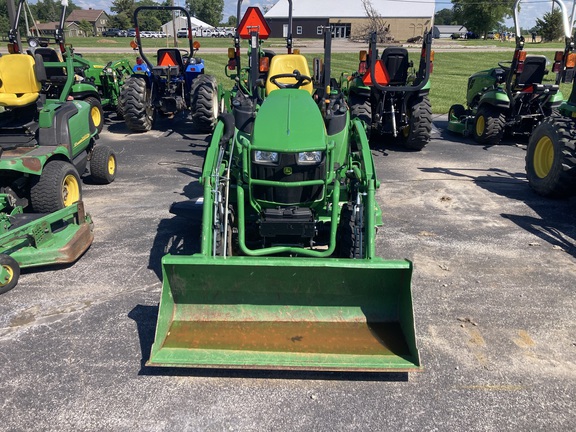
(551,158)
(57,187)
(136,102)
(489,125)
(416,134)
(103,165)
(350,231)
(9,273)
(204,103)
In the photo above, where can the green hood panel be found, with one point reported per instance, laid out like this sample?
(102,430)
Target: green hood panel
(289,120)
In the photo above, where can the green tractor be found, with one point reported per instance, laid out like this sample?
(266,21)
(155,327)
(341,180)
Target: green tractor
(287,276)
(390,95)
(551,152)
(509,98)
(47,138)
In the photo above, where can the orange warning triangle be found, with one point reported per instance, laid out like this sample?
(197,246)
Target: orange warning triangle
(381,73)
(167,60)
(253,21)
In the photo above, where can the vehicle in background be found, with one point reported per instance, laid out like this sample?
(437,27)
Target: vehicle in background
(114,32)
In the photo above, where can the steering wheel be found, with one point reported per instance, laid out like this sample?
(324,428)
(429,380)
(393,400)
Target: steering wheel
(506,65)
(301,80)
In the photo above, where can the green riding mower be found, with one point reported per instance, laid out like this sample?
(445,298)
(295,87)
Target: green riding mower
(177,83)
(287,276)
(390,95)
(509,98)
(47,138)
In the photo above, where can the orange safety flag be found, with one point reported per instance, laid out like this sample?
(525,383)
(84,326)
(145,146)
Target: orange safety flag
(382,76)
(167,60)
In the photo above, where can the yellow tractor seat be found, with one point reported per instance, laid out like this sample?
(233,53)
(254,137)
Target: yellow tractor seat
(287,64)
(19,85)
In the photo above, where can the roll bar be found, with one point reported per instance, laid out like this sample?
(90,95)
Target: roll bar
(156,8)
(426,45)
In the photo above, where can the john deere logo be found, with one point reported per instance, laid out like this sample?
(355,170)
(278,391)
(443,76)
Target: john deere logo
(287,170)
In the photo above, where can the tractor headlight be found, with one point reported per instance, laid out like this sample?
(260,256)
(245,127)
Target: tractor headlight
(265,157)
(309,158)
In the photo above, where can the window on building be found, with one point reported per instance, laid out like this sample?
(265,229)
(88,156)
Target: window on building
(298,30)
(319,30)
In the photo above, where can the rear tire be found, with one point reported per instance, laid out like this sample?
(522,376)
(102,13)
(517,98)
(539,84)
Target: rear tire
(551,158)
(12,270)
(416,134)
(361,108)
(489,125)
(103,165)
(136,102)
(96,114)
(57,187)
(204,103)
(456,112)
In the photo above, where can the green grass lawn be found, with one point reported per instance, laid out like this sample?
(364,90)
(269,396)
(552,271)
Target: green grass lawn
(449,79)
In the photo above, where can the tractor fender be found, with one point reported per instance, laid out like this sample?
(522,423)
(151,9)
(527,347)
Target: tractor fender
(141,69)
(495,98)
(82,91)
(357,87)
(54,124)
(555,100)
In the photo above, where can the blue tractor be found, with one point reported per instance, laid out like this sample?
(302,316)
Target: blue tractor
(175,83)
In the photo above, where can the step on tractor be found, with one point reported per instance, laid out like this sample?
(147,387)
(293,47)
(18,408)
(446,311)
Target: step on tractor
(511,98)
(287,276)
(106,79)
(390,95)
(176,83)
(551,152)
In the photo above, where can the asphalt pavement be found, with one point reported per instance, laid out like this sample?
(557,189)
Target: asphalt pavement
(493,291)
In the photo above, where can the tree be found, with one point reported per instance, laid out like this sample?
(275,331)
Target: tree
(86,28)
(209,11)
(375,24)
(232,21)
(550,26)
(444,17)
(482,16)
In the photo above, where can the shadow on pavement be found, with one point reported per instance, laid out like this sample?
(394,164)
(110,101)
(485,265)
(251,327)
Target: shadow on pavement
(556,223)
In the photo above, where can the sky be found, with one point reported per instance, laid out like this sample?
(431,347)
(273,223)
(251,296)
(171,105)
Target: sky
(530,9)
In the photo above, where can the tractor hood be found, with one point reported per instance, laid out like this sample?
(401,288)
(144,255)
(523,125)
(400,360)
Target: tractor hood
(289,121)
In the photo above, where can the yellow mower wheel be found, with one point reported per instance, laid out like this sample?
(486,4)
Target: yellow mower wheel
(57,187)
(96,114)
(70,190)
(9,273)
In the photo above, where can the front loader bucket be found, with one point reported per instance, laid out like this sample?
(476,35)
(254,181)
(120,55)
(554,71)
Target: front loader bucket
(286,313)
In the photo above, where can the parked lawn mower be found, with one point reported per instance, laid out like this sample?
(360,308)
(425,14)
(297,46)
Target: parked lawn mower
(46,139)
(287,276)
(551,153)
(390,95)
(177,83)
(509,98)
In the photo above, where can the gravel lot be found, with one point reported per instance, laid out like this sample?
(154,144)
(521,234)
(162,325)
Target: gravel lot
(493,291)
